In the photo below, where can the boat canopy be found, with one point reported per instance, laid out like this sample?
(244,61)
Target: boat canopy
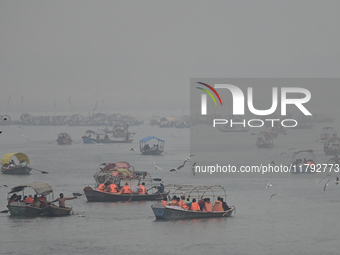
(20,156)
(40,188)
(146,139)
(96,132)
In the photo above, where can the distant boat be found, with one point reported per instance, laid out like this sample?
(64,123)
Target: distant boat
(303,162)
(64,139)
(102,137)
(9,166)
(156,149)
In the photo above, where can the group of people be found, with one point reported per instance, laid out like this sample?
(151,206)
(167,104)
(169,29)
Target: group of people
(147,147)
(204,204)
(111,187)
(38,202)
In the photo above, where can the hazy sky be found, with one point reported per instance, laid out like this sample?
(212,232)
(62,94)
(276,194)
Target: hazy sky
(142,54)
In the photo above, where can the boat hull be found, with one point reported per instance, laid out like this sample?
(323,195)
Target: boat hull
(98,196)
(21,209)
(17,170)
(54,211)
(178,213)
(152,152)
(91,140)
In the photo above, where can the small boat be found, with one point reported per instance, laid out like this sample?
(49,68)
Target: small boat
(264,140)
(55,211)
(168,212)
(118,131)
(327,133)
(321,118)
(332,146)
(64,139)
(303,162)
(22,209)
(10,167)
(156,149)
(102,137)
(166,122)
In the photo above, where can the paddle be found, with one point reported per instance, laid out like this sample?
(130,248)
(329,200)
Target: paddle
(52,141)
(77,194)
(4,211)
(43,172)
(157,179)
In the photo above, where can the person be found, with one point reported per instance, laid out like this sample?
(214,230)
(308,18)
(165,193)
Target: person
(194,205)
(218,207)
(23,163)
(174,201)
(18,199)
(201,203)
(29,200)
(98,137)
(164,201)
(12,198)
(103,187)
(207,205)
(182,203)
(141,189)
(106,137)
(125,189)
(113,188)
(188,202)
(61,199)
(160,188)
(36,202)
(224,205)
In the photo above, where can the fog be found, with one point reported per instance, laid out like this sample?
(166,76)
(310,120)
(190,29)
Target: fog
(63,55)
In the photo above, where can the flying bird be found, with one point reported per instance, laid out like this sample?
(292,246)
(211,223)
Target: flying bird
(132,149)
(23,136)
(193,168)
(268,185)
(188,158)
(337,180)
(177,168)
(324,177)
(157,167)
(272,196)
(324,188)
(3,185)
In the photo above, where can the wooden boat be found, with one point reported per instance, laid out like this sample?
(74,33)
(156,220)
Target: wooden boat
(64,139)
(156,149)
(332,146)
(178,213)
(327,133)
(55,211)
(98,196)
(303,162)
(264,140)
(10,167)
(22,209)
(87,139)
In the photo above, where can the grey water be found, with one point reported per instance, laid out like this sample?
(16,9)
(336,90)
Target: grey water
(299,219)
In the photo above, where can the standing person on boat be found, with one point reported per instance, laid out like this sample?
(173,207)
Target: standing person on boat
(207,205)
(160,188)
(61,199)
(140,189)
(218,207)
(194,205)
(125,189)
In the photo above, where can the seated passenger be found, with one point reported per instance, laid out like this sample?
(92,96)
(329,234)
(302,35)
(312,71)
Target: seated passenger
(125,189)
(218,207)
(140,189)
(207,205)
(224,205)
(182,203)
(194,205)
(174,201)
(201,203)
(113,188)
(36,202)
(29,200)
(102,187)
(164,201)
(12,198)
(188,202)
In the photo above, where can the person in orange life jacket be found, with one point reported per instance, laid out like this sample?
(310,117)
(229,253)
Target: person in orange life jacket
(113,188)
(174,201)
(104,187)
(207,205)
(182,203)
(140,189)
(194,205)
(125,189)
(164,201)
(218,207)
(29,200)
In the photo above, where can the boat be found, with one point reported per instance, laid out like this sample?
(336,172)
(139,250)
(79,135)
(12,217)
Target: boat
(10,167)
(55,211)
(264,140)
(167,212)
(166,122)
(102,137)
(332,146)
(64,139)
(156,149)
(303,162)
(327,133)
(22,209)
(118,131)
(321,118)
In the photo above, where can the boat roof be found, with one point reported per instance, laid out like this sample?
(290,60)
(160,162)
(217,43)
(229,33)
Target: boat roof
(96,132)
(19,155)
(39,187)
(146,139)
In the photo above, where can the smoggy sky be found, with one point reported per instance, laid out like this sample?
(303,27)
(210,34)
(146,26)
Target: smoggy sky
(142,54)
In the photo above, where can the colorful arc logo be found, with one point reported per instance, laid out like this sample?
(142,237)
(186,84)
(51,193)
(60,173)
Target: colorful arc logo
(208,92)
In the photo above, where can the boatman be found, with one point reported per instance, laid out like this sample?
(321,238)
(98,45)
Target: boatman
(125,189)
(61,199)
(160,188)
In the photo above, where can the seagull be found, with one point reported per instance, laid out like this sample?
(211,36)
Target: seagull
(193,168)
(0,131)
(324,177)
(337,180)
(272,196)
(177,168)
(272,163)
(157,167)
(23,136)
(268,185)
(324,188)
(3,185)
(188,158)
(132,149)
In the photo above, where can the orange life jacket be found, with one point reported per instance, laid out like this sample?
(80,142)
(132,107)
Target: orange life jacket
(125,190)
(28,200)
(207,207)
(218,206)
(113,188)
(174,202)
(164,202)
(195,206)
(141,190)
(101,187)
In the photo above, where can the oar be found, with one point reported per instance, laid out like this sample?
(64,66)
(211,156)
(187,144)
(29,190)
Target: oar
(43,172)
(52,141)
(4,211)
(77,194)
(73,141)
(157,179)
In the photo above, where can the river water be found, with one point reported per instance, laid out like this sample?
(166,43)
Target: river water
(299,219)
